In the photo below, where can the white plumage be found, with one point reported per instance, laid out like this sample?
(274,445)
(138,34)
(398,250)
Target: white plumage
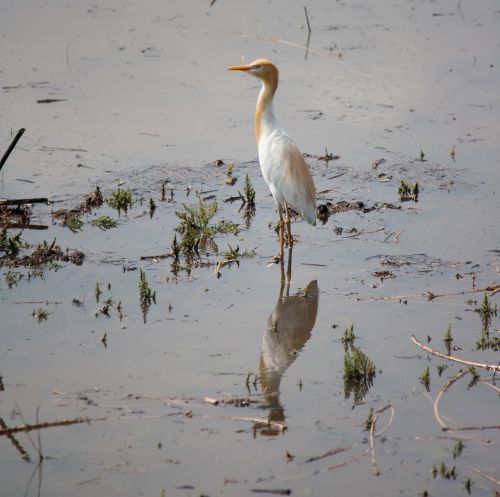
(283,166)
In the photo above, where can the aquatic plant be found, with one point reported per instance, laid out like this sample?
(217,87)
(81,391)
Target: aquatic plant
(440,368)
(348,338)
(146,295)
(248,195)
(457,449)
(12,278)
(359,369)
(152,207)
(73,222)
(11,245)
(40,314)
(448,339)
(486,312)
(121,200)
(104,222)
(195,225)
(425,378)
(408,191)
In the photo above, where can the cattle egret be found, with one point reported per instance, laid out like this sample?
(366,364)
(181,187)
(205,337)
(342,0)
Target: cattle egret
(283,166)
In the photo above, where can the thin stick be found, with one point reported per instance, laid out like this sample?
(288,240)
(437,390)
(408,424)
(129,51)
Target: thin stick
(486,366)
(486,475)
(260,421)
(20,201)
(307,20)
(349,461)
(441,392)
(372,437)
(328,453)
(15,442)
(26,427)
(11,147)
(493,289)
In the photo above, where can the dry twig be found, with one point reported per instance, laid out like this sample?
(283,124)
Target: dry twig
(488,367)
(372,436)
(486,475)
(27,427)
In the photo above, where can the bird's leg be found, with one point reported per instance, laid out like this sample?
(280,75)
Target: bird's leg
(289,271)
(281,232)
(288,228)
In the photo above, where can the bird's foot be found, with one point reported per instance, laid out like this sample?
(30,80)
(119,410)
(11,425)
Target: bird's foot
(277,259)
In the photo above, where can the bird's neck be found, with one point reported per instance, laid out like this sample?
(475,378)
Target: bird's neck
(264,112)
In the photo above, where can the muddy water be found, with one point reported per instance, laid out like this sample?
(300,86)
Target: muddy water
(144,99)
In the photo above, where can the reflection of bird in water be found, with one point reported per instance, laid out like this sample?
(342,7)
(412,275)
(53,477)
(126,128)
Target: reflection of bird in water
(283,166)
(288,329)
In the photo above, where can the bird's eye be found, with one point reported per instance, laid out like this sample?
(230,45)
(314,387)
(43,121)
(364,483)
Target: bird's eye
(256,66)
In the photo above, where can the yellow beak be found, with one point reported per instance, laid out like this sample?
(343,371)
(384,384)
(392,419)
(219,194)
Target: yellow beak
(239,68)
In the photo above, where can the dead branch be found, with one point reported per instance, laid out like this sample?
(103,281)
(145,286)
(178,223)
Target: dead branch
(439,419)
(441,392)
(27,427)
(260,421)
(328,453)
(492,289)
(349,461)
(225,262)
(372,437)
(486,475)
(9,150)
(488,367)
(22,201)
(14,441)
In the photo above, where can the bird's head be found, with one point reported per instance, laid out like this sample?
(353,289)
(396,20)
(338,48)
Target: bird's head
(261,68)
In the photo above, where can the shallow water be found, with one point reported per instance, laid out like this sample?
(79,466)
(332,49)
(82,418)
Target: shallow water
(147,100)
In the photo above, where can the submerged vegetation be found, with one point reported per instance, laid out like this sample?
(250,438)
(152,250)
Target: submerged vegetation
(146,295)
(486,312)
(359,370)
(408,191)
(121,200)
(104,222)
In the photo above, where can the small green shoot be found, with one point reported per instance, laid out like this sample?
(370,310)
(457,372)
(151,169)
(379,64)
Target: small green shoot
(248,195)
(440,369)
(11,245)
(447,473)
(421,156)
(230,179)
(232,253)
(146,295)
(12,278)
(121,200)
(104,222)
(448,339)
(486,312)
(475,377)
(97,292)
(359,369)
(468,485)
(425,378)
(457,449)
(152,207)
(195,225)
(434,471)
(176,249)
(40,314)
(408,191)
(73,222)
(348,338)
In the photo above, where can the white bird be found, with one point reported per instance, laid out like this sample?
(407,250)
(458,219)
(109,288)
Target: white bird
(283,166)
